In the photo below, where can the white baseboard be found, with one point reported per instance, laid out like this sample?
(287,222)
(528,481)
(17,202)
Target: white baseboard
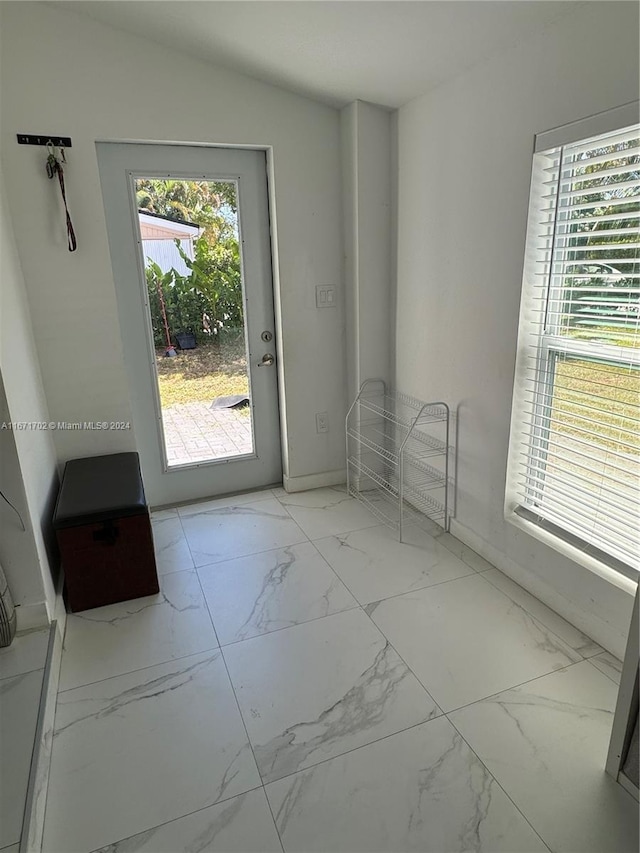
(59,608)
(315,481)
(589,623)
(628,785)
(31,616)
(33,824)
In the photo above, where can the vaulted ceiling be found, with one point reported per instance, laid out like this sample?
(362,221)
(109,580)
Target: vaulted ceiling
(337,51)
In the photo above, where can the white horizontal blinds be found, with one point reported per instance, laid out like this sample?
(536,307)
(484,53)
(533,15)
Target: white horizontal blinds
(579,466)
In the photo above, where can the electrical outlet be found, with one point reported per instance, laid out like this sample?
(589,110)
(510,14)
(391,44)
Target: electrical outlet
(322,422)
(325,296)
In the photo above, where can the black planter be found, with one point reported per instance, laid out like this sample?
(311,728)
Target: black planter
(186,340)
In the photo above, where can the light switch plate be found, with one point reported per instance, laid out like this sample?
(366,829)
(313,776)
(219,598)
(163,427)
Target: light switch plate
(325,296)
(322,422)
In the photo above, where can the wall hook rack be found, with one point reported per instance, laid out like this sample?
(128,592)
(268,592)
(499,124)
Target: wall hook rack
(54,168)
(44,139)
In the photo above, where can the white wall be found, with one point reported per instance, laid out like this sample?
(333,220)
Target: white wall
(66,74)
(28,474)
(18,554)
(349,156)
(464,170)
(366,132)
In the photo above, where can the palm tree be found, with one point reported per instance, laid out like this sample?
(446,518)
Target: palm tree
(210,204)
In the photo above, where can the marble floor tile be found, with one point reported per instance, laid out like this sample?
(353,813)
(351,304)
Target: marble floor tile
(170,545)
(612,667)
(272,590)
(19,705)
(419,790)
(108,641)
(374,564)
(242,824)
(311,692)
(161,514)
(141,749)
(229,500)
(151,752)
(239,530)
(327,512)
(546,743)
(26,653)
(574,638)
(463,552)
(466,640)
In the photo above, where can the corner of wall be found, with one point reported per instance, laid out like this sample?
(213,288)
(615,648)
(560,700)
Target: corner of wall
(32,466)
(369,224)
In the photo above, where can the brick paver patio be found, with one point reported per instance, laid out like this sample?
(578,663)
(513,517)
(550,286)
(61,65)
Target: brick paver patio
(194,432)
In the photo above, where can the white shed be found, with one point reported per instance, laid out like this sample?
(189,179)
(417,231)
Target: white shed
(158,241)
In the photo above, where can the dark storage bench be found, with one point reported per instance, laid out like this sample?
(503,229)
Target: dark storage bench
(103,529)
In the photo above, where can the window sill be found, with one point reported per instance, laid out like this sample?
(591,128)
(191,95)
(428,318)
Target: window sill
(573,553)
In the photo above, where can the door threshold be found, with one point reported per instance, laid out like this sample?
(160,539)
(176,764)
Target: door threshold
(222,497)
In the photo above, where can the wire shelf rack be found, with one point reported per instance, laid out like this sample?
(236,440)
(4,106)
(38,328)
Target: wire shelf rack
(399,456)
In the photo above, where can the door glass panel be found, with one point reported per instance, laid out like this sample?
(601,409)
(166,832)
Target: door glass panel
(192,259)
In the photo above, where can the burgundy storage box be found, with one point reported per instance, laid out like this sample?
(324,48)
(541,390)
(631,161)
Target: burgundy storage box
(103,529)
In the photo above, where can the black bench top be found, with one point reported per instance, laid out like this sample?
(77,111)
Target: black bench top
(99,488)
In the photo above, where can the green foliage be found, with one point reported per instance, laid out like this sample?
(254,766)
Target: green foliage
(206,301)
(215,273)
(613,200)
(209,299)
(210,204)
(601,300)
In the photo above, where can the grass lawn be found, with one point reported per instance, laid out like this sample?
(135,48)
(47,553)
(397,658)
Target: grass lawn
(606,386)
(211,370)
(613,420)
(614,391)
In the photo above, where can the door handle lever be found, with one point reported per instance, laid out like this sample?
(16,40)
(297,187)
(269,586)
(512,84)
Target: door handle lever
(267,360)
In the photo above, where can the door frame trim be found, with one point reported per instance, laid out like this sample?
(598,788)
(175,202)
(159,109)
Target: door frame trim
(275,266)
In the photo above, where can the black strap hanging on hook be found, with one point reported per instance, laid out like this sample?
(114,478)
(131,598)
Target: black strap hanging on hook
(54,167)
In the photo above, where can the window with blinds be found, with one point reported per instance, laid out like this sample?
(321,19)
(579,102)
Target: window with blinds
(575,442)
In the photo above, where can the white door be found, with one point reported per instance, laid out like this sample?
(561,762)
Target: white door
(190,249)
